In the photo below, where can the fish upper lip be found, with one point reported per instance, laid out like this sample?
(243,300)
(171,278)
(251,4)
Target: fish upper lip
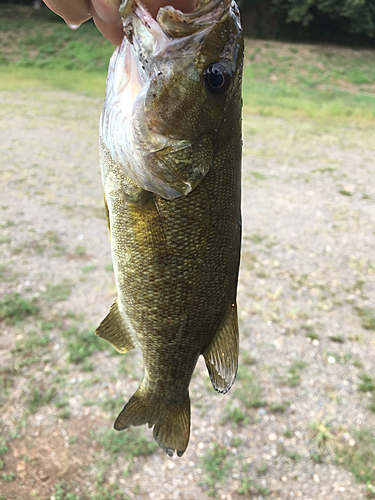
(172,22)
(141,12)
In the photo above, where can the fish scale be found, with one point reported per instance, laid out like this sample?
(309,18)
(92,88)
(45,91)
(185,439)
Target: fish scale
(175,251)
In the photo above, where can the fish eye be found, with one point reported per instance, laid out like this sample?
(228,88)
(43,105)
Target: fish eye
(217,78)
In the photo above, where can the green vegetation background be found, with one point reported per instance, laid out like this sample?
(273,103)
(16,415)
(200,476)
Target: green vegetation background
(38,49)
(333,20)
(345,22)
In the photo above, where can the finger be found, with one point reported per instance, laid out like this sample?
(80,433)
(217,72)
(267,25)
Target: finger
(107,10)
(72,11)
(112,31)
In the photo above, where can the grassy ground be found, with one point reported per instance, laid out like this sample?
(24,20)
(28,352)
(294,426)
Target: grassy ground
(327,83)
(38,49)
(280,79)
(306,289)
(40,39)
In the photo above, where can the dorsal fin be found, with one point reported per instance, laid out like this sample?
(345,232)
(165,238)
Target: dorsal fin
(221,356)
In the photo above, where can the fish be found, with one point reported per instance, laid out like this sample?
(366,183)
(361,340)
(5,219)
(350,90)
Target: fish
(170,157)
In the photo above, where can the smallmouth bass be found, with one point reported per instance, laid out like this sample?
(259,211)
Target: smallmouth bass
(170,155)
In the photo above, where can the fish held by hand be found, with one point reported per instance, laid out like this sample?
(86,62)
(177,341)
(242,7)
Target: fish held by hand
(170,154)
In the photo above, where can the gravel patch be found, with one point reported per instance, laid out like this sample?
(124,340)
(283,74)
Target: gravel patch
(307,283)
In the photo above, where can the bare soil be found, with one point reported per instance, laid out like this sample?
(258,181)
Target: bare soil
(308,267)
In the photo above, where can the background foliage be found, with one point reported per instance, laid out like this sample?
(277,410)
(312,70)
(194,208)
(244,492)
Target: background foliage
(342,21)
(351,16)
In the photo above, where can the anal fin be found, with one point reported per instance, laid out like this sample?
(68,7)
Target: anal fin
(114,330)
(221,356)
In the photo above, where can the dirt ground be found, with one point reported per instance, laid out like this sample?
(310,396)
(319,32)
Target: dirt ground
(307,282)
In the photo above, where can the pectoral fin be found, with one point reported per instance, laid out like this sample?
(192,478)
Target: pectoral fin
(222,354)
(114,330)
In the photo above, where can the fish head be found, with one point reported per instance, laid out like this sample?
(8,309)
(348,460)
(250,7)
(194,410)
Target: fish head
(173,96)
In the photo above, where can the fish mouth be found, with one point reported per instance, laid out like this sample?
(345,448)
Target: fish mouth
(152,40)
(172,22)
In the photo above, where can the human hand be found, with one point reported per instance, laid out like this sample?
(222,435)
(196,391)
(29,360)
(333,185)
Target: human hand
(105,13)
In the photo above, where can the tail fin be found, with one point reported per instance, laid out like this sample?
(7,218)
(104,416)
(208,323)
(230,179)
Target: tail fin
(171,422)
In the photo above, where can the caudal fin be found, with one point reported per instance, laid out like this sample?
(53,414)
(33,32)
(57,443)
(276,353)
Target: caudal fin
(171,422)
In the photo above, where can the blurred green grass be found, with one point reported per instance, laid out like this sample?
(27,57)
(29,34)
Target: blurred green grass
(14,78)
(286,100)
(41,40)
(324,83)
(310,65)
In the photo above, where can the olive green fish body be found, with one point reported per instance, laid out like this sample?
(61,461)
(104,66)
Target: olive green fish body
(175,229)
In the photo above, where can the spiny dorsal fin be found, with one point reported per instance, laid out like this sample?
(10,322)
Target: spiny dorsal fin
(221,356)
(114,330)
